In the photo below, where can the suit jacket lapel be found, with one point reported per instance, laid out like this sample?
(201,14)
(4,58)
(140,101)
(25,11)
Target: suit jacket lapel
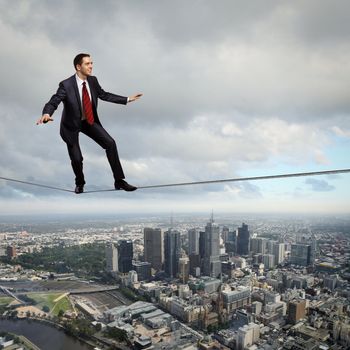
(77,95)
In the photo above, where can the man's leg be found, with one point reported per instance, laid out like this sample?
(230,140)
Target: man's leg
(76,160)
(101,136)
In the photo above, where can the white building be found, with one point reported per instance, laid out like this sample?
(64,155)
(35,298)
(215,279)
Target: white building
(111,258)
(247,335)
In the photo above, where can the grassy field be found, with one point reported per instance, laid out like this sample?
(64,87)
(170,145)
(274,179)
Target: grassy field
(5,300)
(48,299)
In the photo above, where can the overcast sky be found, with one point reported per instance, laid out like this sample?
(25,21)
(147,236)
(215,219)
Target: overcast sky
(231,89)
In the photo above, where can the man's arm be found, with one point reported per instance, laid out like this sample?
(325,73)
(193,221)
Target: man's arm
(109,97)
(52,105)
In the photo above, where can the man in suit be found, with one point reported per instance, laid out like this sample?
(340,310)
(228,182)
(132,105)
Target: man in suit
(79,95)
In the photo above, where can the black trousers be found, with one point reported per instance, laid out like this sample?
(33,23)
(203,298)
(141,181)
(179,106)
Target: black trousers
(100,136)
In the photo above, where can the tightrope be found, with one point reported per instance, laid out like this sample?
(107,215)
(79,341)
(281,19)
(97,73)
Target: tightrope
(237,179)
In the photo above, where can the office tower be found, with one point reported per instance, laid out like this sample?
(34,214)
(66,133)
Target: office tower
(184,269)
(172,252)
(230,243)
(210,250)
(225,233)
(268,261)
(193,241)
(296,310)
(154,247)
(301,254)
(247,335)
(259,245)
(195,264)
(242,240)
(125,256)
(278,252)
(143,270)
(202,244)
(111,257)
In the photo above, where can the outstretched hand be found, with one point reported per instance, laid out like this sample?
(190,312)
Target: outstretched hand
(134,98)
(44,119)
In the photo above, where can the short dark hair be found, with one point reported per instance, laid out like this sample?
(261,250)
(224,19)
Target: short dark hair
(79,59)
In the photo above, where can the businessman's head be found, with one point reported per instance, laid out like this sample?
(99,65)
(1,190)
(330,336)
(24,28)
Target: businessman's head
(83,65)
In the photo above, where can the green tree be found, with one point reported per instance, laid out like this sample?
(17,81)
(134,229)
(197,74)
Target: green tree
(46,309)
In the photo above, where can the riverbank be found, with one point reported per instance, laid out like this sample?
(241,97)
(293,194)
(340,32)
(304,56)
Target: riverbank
(43,335)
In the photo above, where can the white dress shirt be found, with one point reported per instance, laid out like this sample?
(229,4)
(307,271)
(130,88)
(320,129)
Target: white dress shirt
(80,89)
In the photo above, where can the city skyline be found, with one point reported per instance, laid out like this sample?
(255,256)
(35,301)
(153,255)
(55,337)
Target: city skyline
(261,91)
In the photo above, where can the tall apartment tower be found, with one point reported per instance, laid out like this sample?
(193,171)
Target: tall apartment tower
(111,257)
(125,256)
(193,241)
(210,249)
(154,247)
(243,240)
(172,252)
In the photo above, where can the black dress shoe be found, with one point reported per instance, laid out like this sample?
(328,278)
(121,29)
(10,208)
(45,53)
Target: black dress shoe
(79,189)
(123,185)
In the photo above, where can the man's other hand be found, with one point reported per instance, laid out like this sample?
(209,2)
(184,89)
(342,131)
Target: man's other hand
(134,98)
(44,119)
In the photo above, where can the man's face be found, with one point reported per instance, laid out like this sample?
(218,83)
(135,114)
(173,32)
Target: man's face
(85,67)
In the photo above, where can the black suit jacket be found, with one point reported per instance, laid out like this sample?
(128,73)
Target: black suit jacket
(68,93)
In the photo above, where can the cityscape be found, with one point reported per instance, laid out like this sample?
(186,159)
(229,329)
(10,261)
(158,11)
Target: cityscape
(203,281)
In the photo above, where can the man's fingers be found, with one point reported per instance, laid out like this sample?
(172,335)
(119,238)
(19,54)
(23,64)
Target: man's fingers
(44,120)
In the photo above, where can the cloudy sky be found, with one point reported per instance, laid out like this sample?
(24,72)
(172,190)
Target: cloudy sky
(231,89)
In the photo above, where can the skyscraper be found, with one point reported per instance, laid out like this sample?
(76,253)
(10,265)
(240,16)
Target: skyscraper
(301,254)
(125,256)
(154,247)
(172,252)
(210,249)
(278,252)
(143,270)
(193,241)
(111,257)
(243,240)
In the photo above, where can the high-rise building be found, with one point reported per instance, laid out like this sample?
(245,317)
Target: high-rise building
(111,257)
(259,245)
(301,254)
(247,335)
(184,269)
(242,245)
(143,270)
(154,247)
(278,252)
(210,250)
(230,243)
(172,252)
(225,233)
(296,310)
(193,241)
(268,261)
(11,252)
(125,256)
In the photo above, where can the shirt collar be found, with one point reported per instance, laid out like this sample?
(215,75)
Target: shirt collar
(79,81)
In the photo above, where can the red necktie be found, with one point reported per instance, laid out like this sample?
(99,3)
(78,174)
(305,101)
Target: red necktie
(89,115)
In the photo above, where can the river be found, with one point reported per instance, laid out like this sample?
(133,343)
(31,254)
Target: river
(42,335)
